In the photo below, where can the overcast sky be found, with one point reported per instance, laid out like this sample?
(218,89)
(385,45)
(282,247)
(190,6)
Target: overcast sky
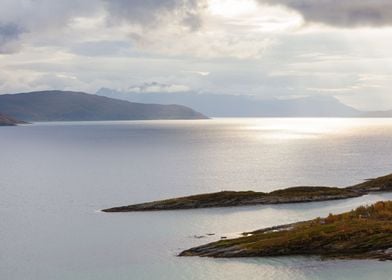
(267,48)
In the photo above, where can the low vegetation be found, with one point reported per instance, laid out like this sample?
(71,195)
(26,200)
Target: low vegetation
(365,232)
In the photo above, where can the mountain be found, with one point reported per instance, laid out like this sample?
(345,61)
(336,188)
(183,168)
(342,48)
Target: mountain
(378,114)
(9,121)
(78,106)
(216,105)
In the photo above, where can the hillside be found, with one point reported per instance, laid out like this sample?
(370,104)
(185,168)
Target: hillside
(79,106)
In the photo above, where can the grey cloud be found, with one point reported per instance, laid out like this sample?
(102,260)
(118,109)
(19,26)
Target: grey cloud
(40,14)
(36,17)
(9,33)
(341,13)
(192,20)
(44,16)
(149,12)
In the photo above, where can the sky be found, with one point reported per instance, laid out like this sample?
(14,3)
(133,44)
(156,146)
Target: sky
(264,48)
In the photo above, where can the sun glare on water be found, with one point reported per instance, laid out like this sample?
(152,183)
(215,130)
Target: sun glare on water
(291,129)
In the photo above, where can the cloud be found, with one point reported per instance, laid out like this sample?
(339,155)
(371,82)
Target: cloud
(9,34)
(62,23)
(45,14)
(201,73)
(155,87)
(25,21)
(102,48)
(341,13)
(149,12)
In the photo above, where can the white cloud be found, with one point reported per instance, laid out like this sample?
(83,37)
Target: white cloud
(201,73)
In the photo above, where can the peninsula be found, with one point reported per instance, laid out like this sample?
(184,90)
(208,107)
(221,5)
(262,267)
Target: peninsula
(9,121)
(245,198)
(364,233)
(56,105)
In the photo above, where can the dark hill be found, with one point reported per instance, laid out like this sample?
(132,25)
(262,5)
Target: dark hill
(79,106)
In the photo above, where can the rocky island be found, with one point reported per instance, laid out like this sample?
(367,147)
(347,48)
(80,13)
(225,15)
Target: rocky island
(9,121)
(244,198)
(363,233)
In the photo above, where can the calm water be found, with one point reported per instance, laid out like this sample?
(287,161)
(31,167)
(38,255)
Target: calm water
(55,176)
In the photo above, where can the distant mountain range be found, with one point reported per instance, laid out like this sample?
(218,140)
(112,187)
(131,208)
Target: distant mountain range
(114,105)
(215,105)
(9,121)
(219,105)
(79,106)
(378,114)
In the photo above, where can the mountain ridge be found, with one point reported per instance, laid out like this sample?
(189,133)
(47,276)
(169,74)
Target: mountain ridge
(218,105)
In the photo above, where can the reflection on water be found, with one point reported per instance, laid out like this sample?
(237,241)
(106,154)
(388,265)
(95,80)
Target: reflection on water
(54,176)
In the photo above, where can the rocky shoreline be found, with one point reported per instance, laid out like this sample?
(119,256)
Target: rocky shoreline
(247,198)
(363,233)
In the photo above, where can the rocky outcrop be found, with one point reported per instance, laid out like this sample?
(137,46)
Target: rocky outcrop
(9,121)
(244,198)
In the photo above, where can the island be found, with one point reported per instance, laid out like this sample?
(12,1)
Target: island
(246,198)
(363,233)
(9,121)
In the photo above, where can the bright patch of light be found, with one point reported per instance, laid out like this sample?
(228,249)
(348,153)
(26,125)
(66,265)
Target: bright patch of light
(250,16)
(293,129)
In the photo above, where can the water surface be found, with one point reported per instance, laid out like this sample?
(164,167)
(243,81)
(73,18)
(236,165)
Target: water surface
(55,176)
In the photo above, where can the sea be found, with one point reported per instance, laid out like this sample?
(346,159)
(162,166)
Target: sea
(55,177)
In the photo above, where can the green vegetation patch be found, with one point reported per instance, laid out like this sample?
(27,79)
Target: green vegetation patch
(360,232)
